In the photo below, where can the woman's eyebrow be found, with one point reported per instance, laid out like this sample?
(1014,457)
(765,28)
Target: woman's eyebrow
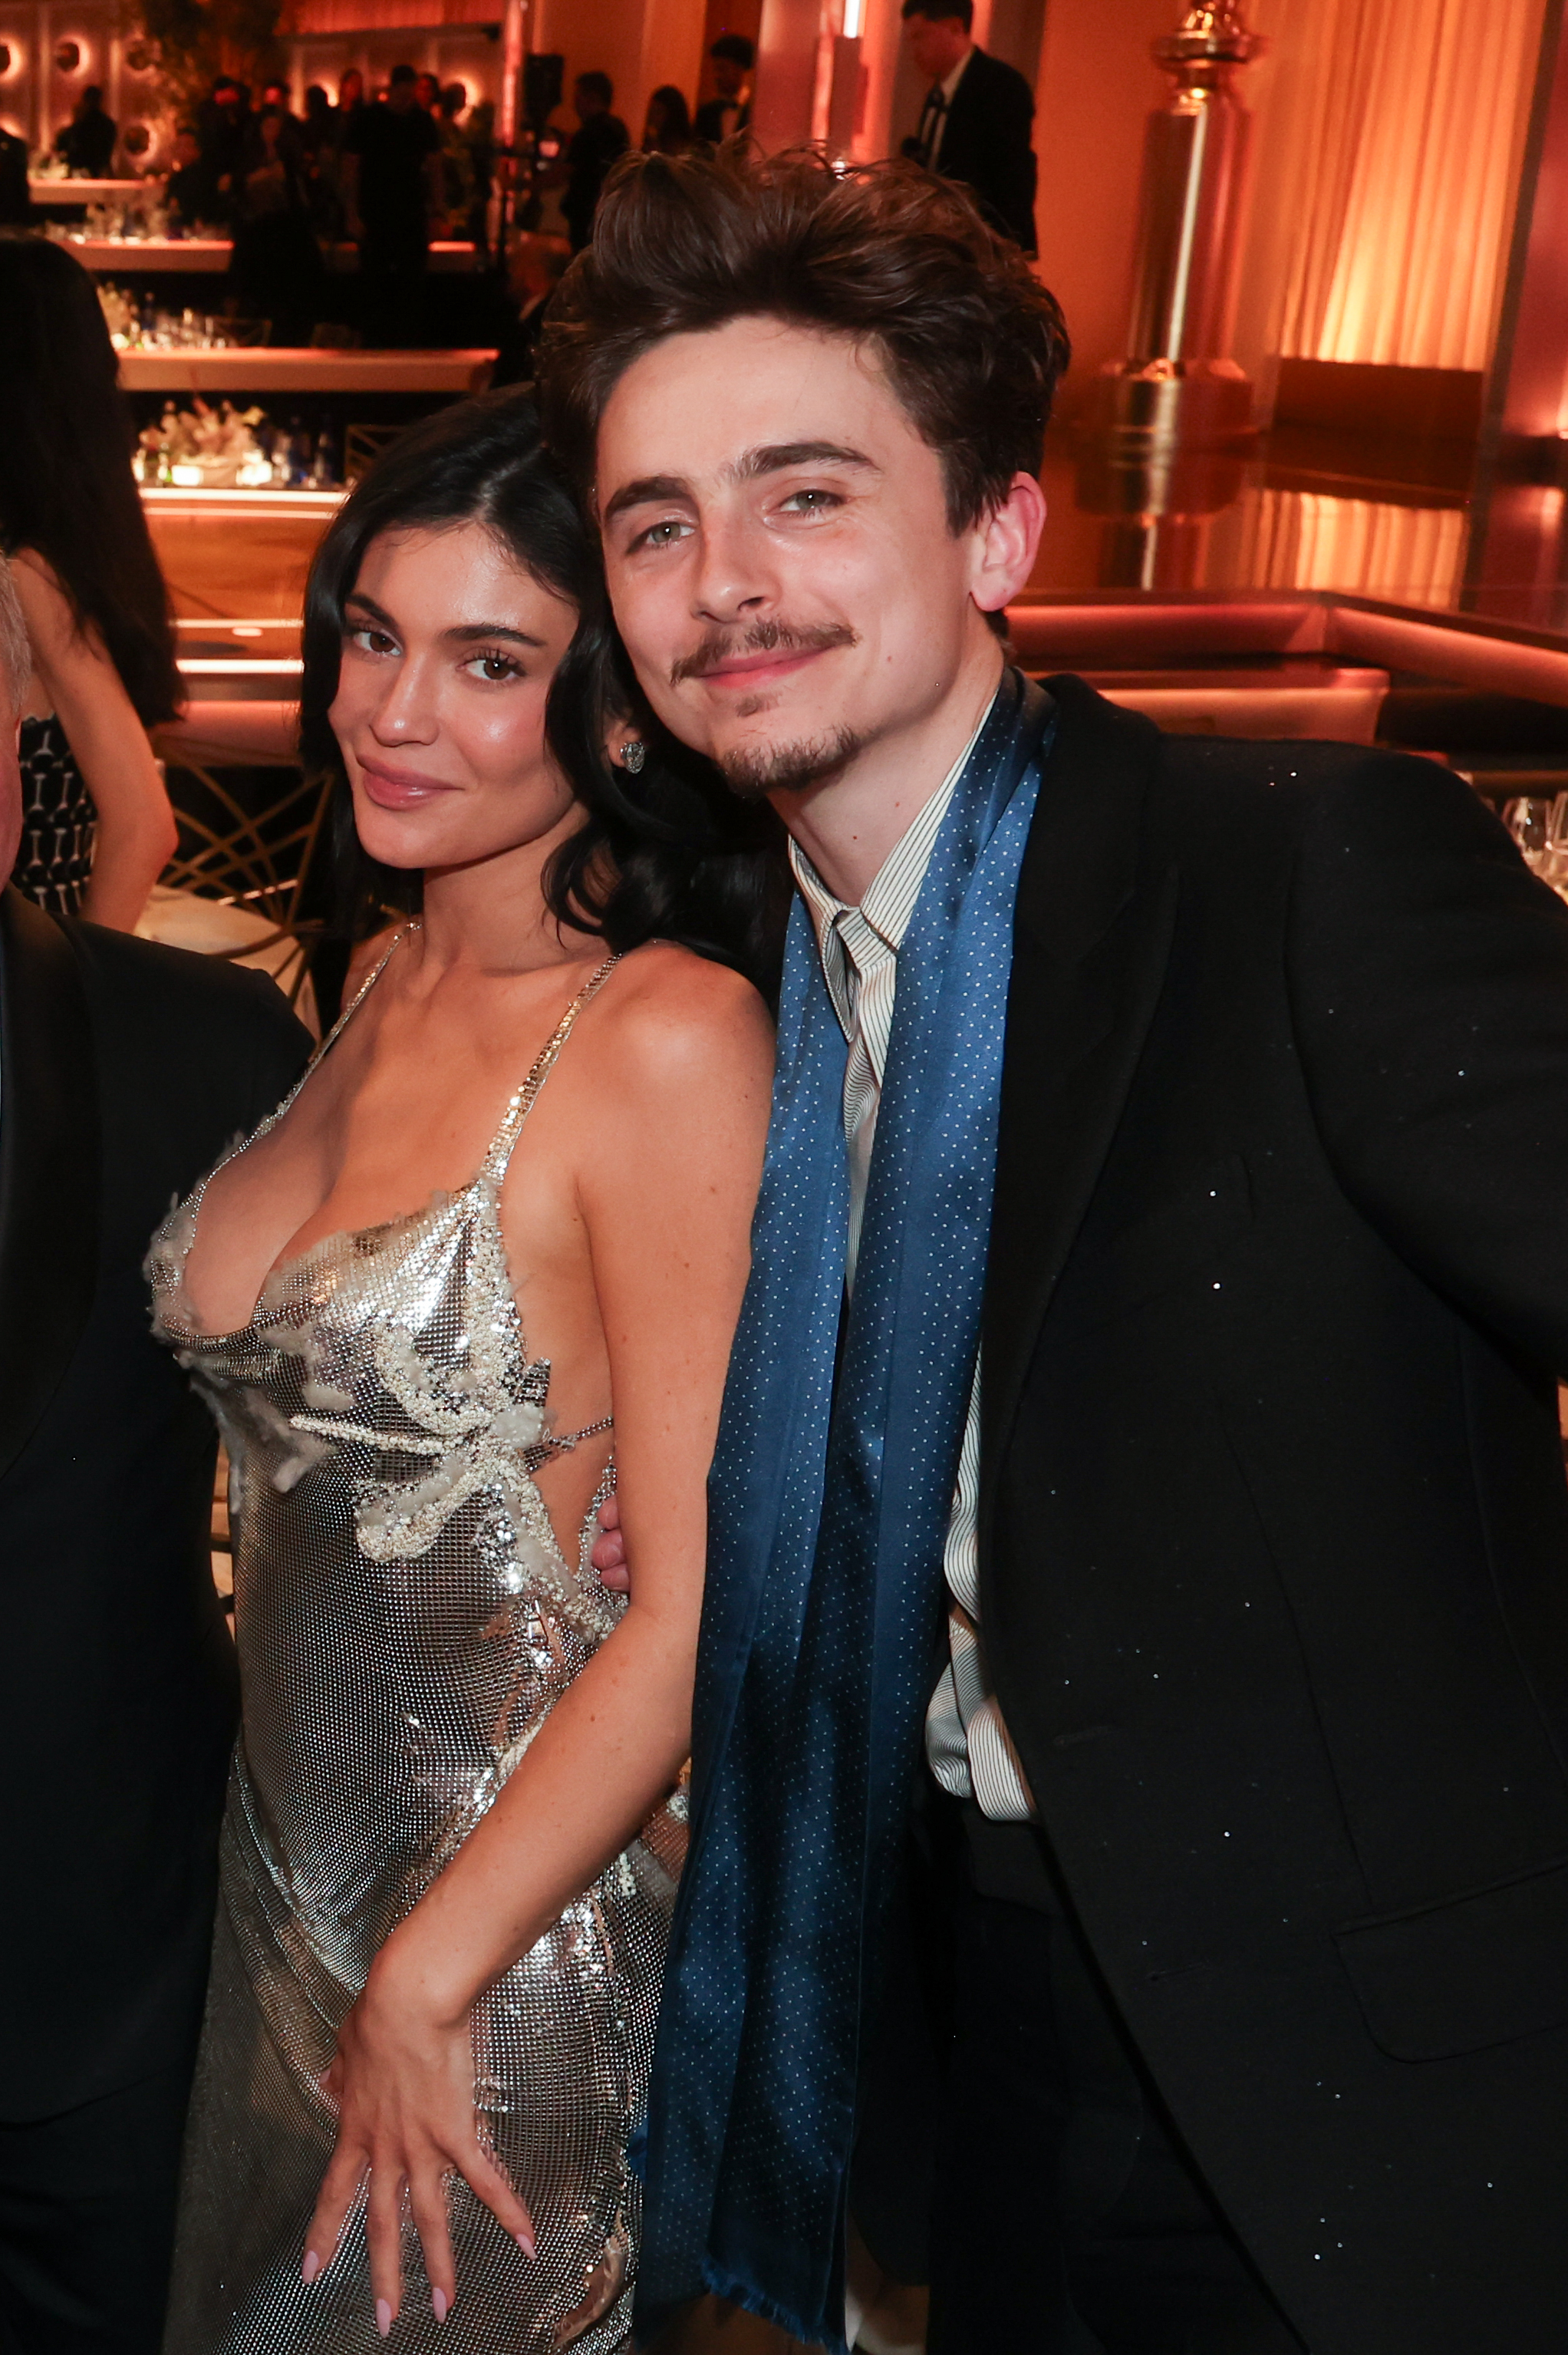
(468,633)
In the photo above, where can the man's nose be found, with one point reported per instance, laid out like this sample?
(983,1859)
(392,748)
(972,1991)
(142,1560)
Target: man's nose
(736,578)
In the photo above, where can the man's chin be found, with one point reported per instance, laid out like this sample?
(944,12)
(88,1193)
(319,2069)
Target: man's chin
(755,771)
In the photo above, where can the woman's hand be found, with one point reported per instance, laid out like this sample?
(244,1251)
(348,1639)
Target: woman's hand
(403,2081)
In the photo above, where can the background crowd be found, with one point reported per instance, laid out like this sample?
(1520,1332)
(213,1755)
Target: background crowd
(391,170)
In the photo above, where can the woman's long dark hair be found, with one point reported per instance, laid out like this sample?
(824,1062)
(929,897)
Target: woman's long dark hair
(668,853)
(66,486)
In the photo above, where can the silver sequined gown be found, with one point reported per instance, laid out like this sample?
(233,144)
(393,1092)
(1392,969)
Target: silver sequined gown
(405,1621)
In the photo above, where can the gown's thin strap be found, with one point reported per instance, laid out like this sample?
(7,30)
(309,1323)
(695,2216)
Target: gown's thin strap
(520,1106)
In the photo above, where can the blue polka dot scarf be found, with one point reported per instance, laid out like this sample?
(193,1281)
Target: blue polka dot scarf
(830,1498)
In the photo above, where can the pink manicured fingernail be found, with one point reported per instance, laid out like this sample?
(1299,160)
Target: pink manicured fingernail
(383,2318)
(525,2245)
(311,2267)
(439,2300)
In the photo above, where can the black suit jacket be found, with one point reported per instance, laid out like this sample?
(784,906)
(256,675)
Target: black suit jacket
(987,144)
(125,1070)
(1274,1535)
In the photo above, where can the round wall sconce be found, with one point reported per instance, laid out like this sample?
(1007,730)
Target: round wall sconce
(138,57)
(5,58)
(138,139)
(68,57)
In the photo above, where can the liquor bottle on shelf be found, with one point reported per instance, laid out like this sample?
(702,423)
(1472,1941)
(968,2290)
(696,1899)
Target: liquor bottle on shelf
(326,473)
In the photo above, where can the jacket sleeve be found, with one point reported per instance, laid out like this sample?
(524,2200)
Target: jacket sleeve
(280,1045)
(1428,975)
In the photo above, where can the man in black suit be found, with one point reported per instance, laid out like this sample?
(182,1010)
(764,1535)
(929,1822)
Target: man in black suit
(1187,1165)
(728,110)
(124,1069)
(599,140)
(977,123)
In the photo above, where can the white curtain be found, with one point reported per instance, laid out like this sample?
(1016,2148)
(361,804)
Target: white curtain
(1389,146)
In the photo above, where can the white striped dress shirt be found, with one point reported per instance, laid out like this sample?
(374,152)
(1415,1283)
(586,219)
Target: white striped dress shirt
(967,1744)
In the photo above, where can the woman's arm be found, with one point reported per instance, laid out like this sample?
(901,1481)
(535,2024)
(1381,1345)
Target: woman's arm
(136,832)
(667,1202)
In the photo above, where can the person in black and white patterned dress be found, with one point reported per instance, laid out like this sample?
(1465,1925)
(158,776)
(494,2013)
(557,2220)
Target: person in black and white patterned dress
(98,827)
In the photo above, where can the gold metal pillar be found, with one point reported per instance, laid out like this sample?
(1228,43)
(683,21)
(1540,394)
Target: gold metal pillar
(1177,388)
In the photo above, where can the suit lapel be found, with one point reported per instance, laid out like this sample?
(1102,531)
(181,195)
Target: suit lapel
(49,1166)
(1092,936)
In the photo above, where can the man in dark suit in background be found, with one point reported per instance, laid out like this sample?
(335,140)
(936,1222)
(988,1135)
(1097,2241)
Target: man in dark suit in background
(976,123)
(125,1070)
(718,118)
(600,137)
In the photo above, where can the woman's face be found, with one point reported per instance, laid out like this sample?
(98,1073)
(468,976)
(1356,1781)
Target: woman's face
(448,653)
(654,130)
(351,88)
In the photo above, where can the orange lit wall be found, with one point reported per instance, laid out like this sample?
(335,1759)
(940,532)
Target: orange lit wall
(1096,85)
(639,43)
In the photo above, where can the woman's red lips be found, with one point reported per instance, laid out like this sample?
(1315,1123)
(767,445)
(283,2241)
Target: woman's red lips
(401,788)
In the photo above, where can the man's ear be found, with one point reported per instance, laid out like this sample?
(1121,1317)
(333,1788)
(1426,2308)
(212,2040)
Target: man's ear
(1005,543)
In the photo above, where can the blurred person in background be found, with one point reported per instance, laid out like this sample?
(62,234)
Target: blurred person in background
(190,192)
(426,91)
(223,126)
(534,267)
(98,828)
(276,267)
(976,123)
(16,196)
(667,128)
(457,162)
(599,138)
(123,1067)
(315,131)
(87,141)
(732,58)
(350,98)
(479,132)
(278,96)
(391,187)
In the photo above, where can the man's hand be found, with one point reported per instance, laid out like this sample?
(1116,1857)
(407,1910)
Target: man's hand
(608,1555)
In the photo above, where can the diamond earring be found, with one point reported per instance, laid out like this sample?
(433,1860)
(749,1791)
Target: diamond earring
(634,753)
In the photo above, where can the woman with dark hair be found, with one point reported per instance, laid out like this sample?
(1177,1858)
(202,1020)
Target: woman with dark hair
(98,826)
(455,1820)
(667,129)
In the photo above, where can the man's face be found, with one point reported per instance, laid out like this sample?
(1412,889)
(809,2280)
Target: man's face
(779,557)
(936,44)
(729,77)
(585,102)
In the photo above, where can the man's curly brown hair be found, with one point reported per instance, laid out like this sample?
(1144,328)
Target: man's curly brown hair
(972,343)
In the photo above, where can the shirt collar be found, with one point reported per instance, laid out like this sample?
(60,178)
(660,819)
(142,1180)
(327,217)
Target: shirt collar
(889,901)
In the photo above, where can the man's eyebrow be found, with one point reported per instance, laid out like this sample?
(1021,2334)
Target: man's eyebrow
(648,490)
(772,458)
(775,458)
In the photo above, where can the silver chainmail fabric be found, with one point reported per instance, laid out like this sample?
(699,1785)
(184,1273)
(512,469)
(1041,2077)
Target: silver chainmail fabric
(405,1620)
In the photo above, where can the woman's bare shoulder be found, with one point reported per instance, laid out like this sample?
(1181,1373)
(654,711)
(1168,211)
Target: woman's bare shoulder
(365,955)
(672,1014)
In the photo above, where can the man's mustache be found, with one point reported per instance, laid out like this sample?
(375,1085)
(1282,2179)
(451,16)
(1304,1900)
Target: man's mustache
(761,638)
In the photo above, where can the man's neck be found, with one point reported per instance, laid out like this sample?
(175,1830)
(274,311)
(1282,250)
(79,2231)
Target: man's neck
(848,824)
